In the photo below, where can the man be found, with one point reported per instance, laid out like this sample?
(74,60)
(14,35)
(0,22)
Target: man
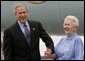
(21,41)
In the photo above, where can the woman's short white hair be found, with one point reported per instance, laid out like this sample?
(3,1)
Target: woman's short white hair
(18,5)
(74,19)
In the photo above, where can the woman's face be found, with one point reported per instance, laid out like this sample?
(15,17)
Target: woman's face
(69,26)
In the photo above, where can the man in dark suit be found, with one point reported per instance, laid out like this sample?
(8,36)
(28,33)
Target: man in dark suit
(19,45)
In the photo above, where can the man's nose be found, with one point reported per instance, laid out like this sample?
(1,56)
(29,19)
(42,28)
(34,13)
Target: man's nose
(22,14)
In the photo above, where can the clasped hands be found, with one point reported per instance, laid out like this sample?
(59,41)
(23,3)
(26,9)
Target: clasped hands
(48,54)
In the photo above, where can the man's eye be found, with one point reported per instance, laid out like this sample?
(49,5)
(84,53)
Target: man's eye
(20,13)
(24,12)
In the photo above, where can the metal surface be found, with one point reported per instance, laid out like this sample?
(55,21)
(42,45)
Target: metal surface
(51,14)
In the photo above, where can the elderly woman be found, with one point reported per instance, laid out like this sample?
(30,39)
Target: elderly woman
(70,47)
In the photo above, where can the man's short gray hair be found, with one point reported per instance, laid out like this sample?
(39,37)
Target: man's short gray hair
(74,19)
(18,5)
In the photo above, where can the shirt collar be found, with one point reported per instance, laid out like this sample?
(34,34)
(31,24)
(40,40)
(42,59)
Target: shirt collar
(72,36)
(21,24)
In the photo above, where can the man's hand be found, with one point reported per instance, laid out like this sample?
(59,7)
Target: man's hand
(47,53)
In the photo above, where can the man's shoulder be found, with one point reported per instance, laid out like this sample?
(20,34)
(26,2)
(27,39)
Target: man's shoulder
(35,22)
(10,28)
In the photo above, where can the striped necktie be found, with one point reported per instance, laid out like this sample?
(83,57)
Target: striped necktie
(27,33)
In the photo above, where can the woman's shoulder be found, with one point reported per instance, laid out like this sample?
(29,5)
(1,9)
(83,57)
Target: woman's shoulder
(63,37)
(78,40)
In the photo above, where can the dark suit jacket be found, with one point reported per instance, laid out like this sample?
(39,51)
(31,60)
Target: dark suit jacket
(15,44)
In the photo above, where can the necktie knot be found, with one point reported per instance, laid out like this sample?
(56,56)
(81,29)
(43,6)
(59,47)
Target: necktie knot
(24,25)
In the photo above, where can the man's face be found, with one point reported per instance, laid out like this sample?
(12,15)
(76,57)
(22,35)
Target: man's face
(21,14)
(69,27)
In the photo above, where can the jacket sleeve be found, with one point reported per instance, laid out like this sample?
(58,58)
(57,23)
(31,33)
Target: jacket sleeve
(46,38)
(8,46)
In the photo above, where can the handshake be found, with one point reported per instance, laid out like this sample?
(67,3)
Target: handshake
(48,54)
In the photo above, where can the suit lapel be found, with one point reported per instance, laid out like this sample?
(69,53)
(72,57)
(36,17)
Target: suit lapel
(19,31)
(32,31)
(31,26)
(19,34)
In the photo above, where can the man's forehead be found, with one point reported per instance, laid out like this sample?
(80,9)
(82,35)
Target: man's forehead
(21,7)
